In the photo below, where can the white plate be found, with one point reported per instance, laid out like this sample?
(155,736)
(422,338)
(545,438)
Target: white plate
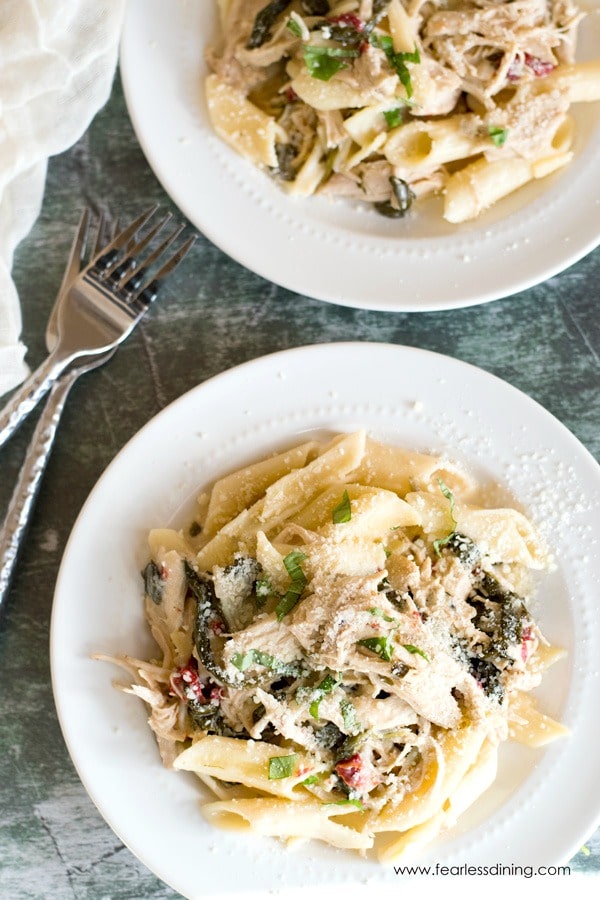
(336,251)
(543,805)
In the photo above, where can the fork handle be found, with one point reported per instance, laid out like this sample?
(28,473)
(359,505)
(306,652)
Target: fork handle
(27,486)
(29,394)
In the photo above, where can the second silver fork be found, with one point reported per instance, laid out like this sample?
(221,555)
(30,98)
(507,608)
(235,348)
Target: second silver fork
(40,446)
(26,489)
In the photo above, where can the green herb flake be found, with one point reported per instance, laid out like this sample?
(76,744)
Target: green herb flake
(412,649)
(441,542)
(498,135)
(376,611)
(324,62)
(243,661)
(312,779)
(292,564)
(393,117)
(282,766)
(294,26)
(298,583)
(382,646)
(326,687)
(397,60)
(343,511)
(383,42)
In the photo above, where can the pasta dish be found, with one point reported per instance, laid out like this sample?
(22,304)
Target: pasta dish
(390,101)
(344,639)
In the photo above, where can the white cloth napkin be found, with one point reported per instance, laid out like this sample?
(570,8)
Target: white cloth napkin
(57,64)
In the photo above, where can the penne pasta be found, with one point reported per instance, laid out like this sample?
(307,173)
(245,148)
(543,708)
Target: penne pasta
(580,80)
(482,183)
(242,124)
(293,491)
(423,146)
(456,753)
(387,103)
(233,493)
(245,762)
(271,818)
(340,659)
(531,727)
(403,27)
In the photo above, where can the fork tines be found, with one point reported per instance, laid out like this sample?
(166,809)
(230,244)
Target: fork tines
(118,271)
(103,260)
(122,266)
(148,292)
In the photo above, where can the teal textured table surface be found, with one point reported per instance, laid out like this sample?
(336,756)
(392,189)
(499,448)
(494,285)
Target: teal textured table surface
(213,315)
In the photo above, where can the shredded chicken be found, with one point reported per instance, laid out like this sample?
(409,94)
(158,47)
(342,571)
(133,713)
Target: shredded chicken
(314,68)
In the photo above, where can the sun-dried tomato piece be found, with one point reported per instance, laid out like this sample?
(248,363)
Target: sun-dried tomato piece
(357,774)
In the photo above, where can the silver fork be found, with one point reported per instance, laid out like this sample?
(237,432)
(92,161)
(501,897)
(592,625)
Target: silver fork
(98,310)
(38,452)
(26,489)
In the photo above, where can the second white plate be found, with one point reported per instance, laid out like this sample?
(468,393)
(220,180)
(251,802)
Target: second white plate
(543,805)
(336,251)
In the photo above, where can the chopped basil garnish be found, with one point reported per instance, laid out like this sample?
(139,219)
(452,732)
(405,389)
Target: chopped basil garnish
(498,134)
(393,117)
(382,646)
(343,511)
(375,611)
(282,766)
(294,27)
(397,60)
(312,779)
(412,649)
(441,542)
(326,687)
(243,661)
(292,564)
(324,62)
(298,583)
